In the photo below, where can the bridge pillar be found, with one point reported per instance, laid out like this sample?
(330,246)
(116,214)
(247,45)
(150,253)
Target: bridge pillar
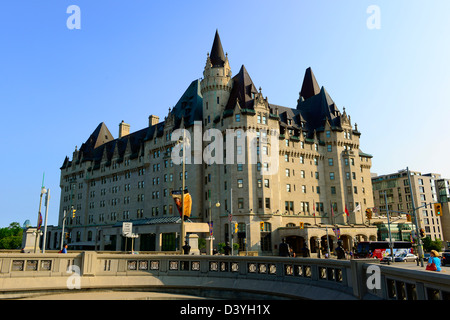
(89,260)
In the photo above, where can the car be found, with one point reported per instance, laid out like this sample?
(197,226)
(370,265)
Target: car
(386,259)
(408,257)
(445,258)
(426,256)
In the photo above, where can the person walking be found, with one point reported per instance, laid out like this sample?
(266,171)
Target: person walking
(340,253)
(434,263)
(227,249)
(64,249)
(284,249)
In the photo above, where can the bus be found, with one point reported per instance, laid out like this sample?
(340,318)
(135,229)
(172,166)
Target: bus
(377,249)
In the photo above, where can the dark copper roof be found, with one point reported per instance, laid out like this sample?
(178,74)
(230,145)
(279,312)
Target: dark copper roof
(242,92)
(217,56)
(310,86)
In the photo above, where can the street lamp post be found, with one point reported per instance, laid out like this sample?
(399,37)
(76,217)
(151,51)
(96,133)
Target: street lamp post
(47,199)
(63,225)
(39,218)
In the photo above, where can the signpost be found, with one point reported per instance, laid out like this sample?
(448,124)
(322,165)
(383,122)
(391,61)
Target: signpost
(127,228)
(127,232)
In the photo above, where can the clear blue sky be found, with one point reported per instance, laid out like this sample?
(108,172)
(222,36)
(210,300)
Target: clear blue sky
(135,58)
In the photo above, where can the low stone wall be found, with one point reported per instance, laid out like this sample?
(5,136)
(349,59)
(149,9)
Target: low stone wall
(297,278)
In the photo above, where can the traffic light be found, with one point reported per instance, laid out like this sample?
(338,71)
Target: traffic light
(438,209)
(261,226)
(302,225)
(73,213)
(368,213)
(236,228)
(422,233)
(408,217)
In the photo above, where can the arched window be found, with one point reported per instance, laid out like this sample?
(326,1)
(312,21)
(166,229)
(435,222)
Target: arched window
(290,225)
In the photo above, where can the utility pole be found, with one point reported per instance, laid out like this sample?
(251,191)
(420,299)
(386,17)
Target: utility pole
(62,233)
(230,219)
(419,240)
(182,195)
(389,227)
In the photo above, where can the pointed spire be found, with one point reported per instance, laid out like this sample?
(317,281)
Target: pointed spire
(310,86)
(217,56)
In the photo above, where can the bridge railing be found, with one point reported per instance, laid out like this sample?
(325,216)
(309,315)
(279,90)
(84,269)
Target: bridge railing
(270,276)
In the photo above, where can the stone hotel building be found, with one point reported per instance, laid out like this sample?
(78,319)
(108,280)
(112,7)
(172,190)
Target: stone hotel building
(322,173)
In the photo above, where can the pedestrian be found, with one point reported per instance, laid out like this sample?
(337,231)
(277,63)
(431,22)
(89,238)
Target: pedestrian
(291,253)
(340,251)
(305,252)
(284,249)
(186,247)
(434,263)
(64,249)
(227,249)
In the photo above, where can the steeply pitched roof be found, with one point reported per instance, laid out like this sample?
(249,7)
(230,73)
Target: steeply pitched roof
(100,136)
(217,56)
(317,109)
(310,86)
(242,91)
(190,105)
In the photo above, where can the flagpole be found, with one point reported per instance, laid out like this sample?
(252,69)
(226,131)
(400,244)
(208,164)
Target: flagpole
(314,212)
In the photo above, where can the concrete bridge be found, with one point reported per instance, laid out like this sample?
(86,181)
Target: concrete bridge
(227,277)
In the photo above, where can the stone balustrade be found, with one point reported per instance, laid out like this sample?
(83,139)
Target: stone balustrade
(219,276)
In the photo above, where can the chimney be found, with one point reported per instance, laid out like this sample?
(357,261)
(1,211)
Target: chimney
(152,120)
(124,129)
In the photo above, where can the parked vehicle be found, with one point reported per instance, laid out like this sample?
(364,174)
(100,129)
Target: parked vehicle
(386,259)
(426,256)
(445,258)
(409,257)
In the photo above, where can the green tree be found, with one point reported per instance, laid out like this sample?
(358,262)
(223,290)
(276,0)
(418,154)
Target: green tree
(11,237)
(429,244)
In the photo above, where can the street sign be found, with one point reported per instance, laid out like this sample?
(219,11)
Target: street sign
(127,228)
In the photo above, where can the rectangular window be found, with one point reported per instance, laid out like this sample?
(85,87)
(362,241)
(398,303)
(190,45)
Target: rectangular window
(241,203)
(267,203)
